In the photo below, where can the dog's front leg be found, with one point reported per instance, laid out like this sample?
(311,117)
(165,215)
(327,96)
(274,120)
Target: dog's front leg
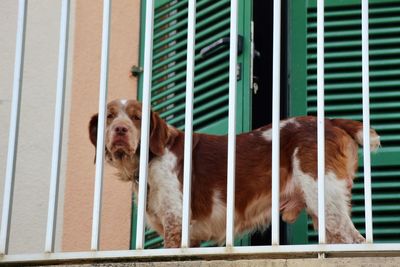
(172,230)
(167,197)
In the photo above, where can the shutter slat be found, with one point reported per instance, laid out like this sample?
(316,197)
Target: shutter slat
(204,33)
(355,22)
(154,242)
(352,33)
(373,74)
(379,220)
(357,44)
(181,56)
(200,66)
(159,14)
(171,29)
(375,208)
(183,22)
(379,197)
(182,34)
(354,54)
(209,105)
(345,96)
(351,64)
(182,13)
(347,86)
(181,107)
(356,107)
(197,89)
(390,127)
(171,17)
(390,138)
(356,12)
(197,78)
(358,117)
(215,113)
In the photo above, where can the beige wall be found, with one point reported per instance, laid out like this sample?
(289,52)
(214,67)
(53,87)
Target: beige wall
(37,119)
(116,212)
(33,166)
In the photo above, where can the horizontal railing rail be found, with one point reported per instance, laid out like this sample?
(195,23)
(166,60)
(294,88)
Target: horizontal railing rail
(319,249)
(281,251)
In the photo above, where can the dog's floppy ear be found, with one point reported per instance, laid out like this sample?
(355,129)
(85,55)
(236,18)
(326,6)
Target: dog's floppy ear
(158,134)
(93,131)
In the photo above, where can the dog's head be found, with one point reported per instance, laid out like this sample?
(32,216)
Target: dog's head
(122,132)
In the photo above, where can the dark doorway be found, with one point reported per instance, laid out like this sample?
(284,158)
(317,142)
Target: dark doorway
(262,96)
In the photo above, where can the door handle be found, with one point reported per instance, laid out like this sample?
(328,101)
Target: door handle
(217,45)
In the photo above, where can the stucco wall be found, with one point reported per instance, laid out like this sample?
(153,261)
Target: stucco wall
(37,117)
(116,212)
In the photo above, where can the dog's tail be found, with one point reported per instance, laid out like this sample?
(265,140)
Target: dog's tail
(355,130)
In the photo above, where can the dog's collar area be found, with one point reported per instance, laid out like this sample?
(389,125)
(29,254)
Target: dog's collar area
(136,177)
(136,180)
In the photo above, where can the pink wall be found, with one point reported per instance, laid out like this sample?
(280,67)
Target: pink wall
(78,201)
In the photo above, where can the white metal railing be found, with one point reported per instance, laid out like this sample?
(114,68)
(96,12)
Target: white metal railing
(144,143)
(187,168)
(58,127)
(276,110)
(366,124)
(229,249)
(230,199)
(320,123)
(14,126)
(98,187)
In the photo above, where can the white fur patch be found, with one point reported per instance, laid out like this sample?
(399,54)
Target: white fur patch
(375,141)
(257,216)
(123,101)
(268,133)
(165,197)
(335,189)
(212,228)
(337,208)
(289,121)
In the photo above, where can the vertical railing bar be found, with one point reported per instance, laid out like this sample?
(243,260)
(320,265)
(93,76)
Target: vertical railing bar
(58,127)
(187,168)
(14,127)
(275,121)
(366,122)
(321,122)
(144,144)
(101,126)
(230,213)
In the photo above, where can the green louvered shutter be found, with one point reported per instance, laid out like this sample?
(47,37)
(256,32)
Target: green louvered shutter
(343,96)
(211,70)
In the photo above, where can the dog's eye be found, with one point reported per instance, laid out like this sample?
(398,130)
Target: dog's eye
(135,117)
(110,116)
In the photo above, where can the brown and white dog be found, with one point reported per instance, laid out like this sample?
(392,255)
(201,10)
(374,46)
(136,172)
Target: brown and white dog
(298,172)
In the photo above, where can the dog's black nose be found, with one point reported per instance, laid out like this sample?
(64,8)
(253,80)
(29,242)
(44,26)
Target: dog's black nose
(121,130)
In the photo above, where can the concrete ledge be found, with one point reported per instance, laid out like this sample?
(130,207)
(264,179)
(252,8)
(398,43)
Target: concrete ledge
(327,262)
